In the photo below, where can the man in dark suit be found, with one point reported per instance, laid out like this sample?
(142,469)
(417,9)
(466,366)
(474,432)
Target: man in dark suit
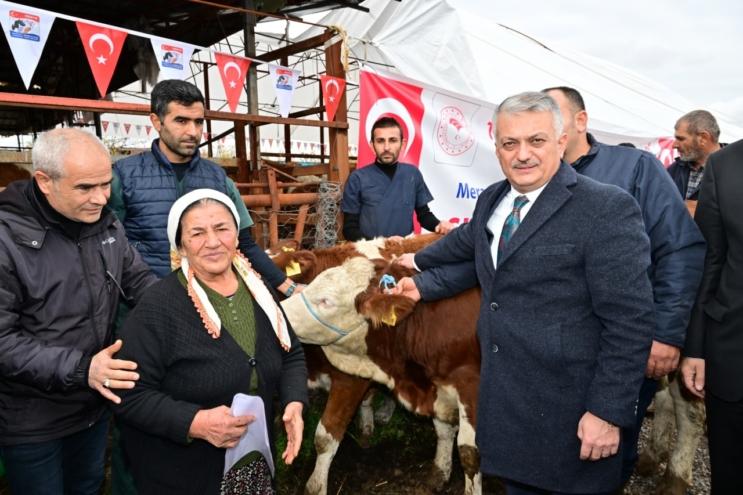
(566,319)
(713,355)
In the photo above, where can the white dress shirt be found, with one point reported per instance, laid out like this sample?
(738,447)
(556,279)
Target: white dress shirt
(501,212)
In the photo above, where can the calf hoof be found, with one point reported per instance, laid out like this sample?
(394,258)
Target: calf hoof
(436,480)
(671,484)
(647,465)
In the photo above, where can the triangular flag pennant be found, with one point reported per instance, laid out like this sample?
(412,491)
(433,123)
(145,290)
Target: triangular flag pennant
(332,92)
(138,128)
(148,129)
(104,123)
(116,128)
(102,47)
(205,135)
(284,82)
(172,58)
(233,71)
(26,30)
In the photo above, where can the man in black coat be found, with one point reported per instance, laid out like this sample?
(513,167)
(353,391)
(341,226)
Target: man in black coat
(713,364)
(696,137)
(566,319)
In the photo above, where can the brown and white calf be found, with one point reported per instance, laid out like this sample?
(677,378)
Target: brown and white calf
(426,354)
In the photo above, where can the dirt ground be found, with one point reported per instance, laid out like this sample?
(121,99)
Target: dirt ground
(398,460)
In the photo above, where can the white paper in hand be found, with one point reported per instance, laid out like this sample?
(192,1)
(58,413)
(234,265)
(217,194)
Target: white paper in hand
(255,437)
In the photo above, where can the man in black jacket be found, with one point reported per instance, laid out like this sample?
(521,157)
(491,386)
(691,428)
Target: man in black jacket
(713,355)
(65,264)
(695,138)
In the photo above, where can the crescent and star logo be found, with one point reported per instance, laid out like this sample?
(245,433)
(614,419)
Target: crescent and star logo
(229,65)
(332,95)
(453,133)
(104,38)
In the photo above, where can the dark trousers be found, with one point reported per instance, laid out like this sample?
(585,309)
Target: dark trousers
(72,465)
(630,436)
(514,488)
(725,432)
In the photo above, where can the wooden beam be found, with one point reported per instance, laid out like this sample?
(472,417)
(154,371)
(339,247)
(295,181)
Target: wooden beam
(23,100)
(338,169)
(300,46)
(253,200)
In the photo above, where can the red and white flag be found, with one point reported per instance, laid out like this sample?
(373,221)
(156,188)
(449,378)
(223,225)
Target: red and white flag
(447,137)
(127,126)
(26,30)
(104,124)
(102,47)
(332,92)
(233,71)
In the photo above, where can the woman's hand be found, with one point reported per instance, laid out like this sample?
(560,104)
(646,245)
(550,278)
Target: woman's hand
(219,427)
(294,425)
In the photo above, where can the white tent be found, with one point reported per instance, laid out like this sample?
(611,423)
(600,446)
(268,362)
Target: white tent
(433,42)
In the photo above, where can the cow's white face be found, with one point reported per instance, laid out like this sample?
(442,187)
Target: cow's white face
(326,309)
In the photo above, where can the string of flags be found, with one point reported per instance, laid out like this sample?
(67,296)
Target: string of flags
(27,29)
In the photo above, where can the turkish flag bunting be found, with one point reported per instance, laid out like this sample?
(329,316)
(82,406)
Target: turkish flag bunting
(233,71)
(104,123)
(148,129)
(332,93)
(102,47)
(126,128)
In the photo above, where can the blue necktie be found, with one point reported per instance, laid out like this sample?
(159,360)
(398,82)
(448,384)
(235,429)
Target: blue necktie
(513,220)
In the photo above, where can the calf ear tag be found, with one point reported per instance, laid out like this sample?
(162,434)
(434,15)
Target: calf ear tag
(293,268)
(391,318)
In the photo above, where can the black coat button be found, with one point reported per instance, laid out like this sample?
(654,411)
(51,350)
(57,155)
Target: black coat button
(495,347)
(494,306)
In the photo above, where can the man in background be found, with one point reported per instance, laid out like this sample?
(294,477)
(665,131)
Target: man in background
(696,136)
(677,247)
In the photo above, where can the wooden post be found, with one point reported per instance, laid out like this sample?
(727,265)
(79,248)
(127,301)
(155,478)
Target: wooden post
(243,172)
(301,221)
(208,106)
(338,169)
(254,131)
(273,219)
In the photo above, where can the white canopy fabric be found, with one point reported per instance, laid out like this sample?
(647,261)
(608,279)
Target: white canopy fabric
(433,42)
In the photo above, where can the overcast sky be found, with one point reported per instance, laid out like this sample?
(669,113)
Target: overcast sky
(692,47)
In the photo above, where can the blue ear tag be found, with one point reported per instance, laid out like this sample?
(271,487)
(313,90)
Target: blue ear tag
(387,282)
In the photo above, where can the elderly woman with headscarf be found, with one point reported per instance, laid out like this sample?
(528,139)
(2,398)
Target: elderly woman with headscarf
(206,332)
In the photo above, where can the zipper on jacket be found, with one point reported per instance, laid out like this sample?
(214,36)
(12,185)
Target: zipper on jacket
(91,306)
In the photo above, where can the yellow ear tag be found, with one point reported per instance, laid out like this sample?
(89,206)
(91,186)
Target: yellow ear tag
(391,318)
(287,249)
(293,268)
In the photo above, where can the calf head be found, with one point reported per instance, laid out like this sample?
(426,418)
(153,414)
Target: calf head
(338,303)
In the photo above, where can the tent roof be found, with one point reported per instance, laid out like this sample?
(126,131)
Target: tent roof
(457,50)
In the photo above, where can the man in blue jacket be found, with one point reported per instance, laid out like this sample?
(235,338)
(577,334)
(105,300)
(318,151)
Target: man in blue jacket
(566,318)
(677,245)
(146,185)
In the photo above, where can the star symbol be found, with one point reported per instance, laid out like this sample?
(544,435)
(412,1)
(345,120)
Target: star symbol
(101,59)
(331,99)
(233,84)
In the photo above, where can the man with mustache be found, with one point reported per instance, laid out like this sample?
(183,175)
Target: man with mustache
(379,200)
(696,137)
(566,316)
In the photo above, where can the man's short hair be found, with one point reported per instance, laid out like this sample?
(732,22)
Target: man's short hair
(700,120)
(51,147)
(530,101)
(385,123)
(572,95)
(181,92)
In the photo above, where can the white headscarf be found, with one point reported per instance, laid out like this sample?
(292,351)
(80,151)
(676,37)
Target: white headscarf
(242,266)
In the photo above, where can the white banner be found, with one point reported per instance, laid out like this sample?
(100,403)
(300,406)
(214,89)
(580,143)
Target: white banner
(449,137)
(172,58)
(284,81)
(26,30)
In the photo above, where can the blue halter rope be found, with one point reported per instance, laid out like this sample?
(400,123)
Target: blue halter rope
(341,333)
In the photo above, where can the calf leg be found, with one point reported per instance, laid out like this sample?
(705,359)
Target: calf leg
(445,433)
(469,455)
(690,417)
(657,448)
(346,393)
(365,418)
